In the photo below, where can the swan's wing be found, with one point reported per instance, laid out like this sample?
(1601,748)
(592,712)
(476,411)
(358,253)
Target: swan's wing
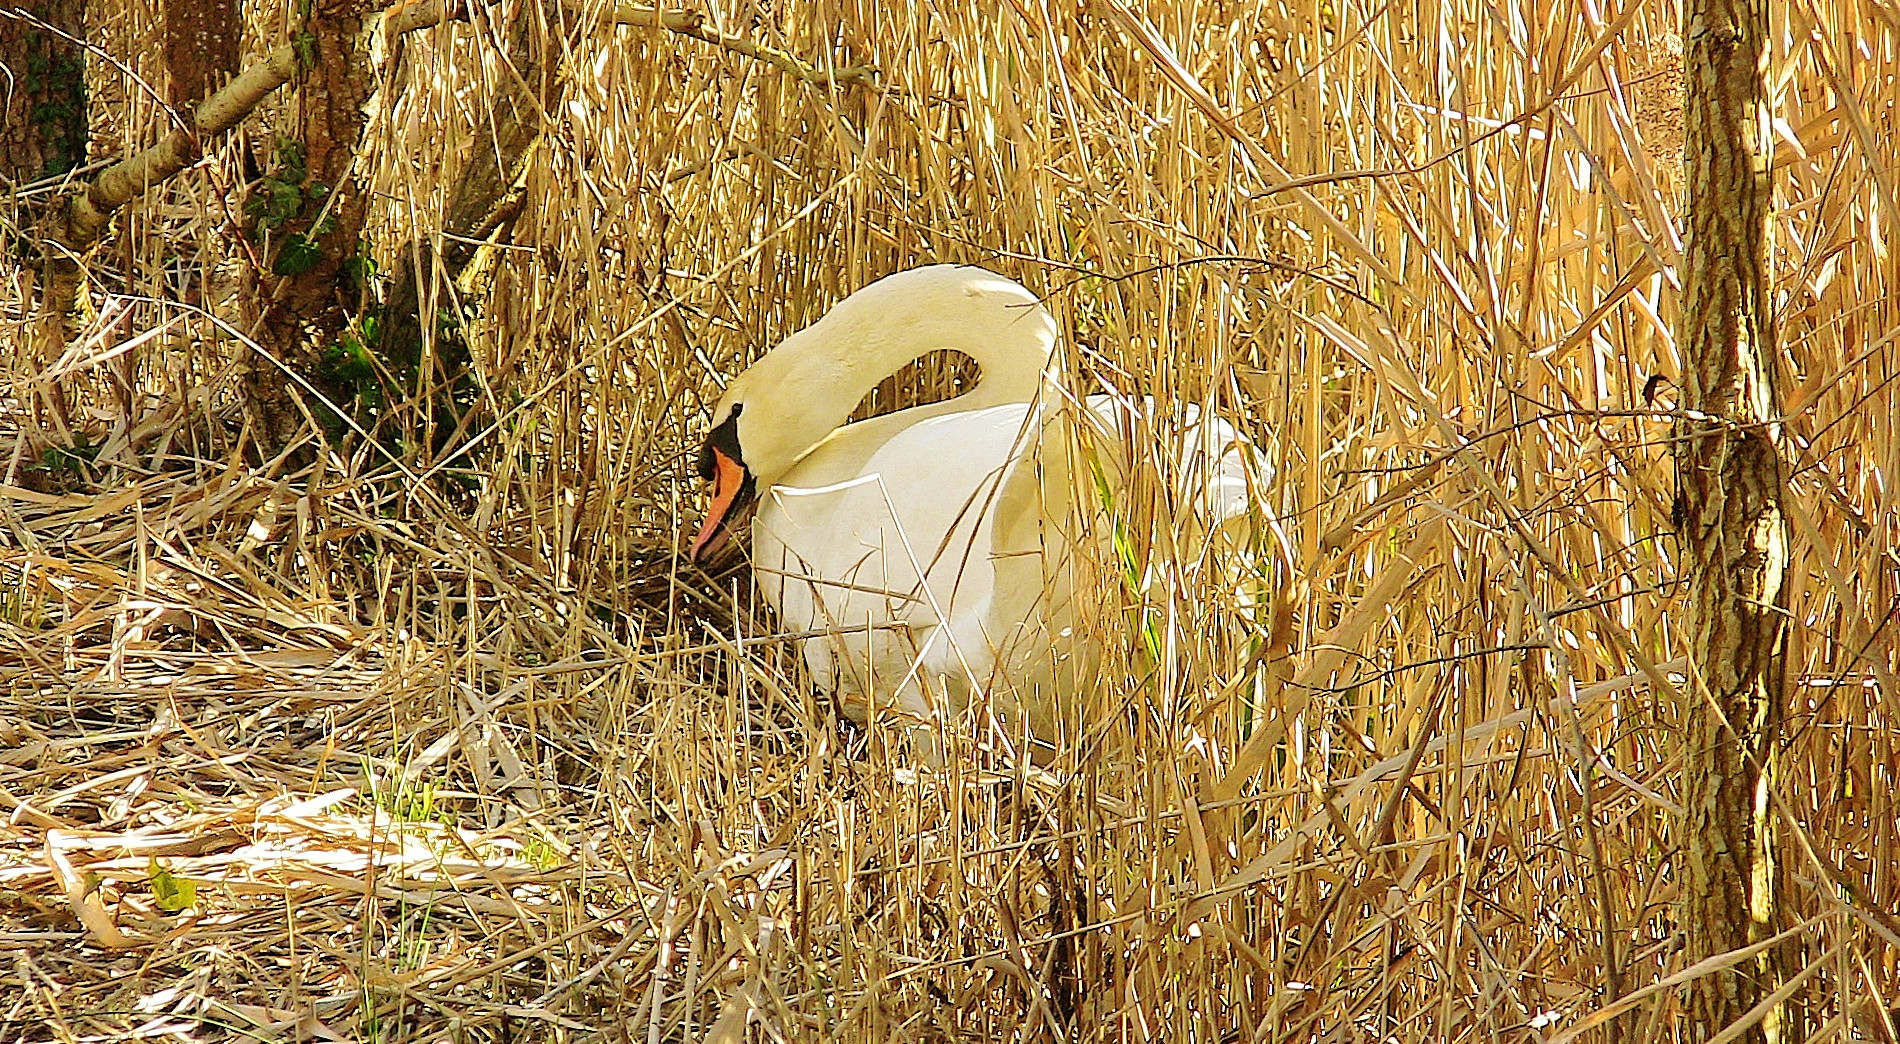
(890,546)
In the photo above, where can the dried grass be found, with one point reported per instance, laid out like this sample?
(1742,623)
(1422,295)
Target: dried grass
(455,750)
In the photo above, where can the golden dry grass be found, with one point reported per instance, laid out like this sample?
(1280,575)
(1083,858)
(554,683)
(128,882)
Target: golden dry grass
(455,750)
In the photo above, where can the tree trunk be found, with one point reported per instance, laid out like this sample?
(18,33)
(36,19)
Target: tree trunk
(43,133)
(481,200)
(1728,510)
(316,238)
(43,105)
(200,41)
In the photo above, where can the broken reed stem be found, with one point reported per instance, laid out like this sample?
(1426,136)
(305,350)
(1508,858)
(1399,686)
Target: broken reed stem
(693,24)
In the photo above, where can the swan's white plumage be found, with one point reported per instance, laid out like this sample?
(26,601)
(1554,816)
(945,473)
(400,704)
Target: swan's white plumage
(934,543)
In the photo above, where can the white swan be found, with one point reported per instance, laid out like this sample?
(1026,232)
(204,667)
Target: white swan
(934,543)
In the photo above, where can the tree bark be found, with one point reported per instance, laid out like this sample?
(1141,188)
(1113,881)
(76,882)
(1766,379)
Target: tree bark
(44,133)
(200,41)
(43,103)
(1728,511)
(313,300)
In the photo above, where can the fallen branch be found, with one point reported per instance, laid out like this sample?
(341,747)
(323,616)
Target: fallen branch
(87,212)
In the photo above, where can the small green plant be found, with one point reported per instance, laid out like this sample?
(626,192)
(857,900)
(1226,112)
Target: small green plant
(540,854)
(412,803)
(280,193)
(283,196)
(298,255)
(348,360)
(360,268)
(404,801)
(370,1022)
(1131,569)
(68,465)
(350,373)
(19,606)
(174,894)
(275,202)
(305,44)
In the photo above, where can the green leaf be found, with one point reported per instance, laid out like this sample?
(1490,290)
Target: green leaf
(297,256)
(361,269)
(290,159)
(305,44)
(276,202)
(174,894)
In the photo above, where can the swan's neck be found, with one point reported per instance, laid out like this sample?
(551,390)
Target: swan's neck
(801,393)
(1012,360)
(1002,378)
(1009,372)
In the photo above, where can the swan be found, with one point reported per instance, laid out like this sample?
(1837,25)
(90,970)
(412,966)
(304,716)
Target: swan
(934,546)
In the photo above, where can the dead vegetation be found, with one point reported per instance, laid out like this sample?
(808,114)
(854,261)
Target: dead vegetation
(387,741)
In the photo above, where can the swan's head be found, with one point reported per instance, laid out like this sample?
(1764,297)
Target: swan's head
(798,393)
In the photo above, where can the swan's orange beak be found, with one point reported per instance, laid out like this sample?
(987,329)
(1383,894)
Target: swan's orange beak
(731,489)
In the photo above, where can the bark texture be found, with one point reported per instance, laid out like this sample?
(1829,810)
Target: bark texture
(312,301)
(1734,536)
(43,90)
(200,41)
(43,133)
